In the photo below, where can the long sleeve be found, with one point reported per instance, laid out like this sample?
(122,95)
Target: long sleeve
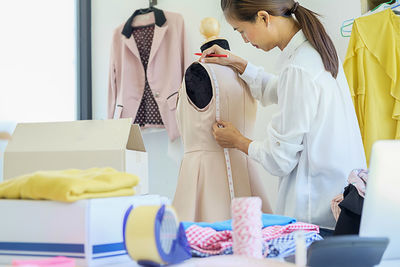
(298,98)
(263,86)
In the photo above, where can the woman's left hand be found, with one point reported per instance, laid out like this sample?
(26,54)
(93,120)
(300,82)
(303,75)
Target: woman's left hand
(227,136)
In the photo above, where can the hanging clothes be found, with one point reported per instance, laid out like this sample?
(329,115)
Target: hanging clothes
(133,85)
(372,67)
(202,192)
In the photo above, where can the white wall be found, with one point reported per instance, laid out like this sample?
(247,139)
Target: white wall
(108,14)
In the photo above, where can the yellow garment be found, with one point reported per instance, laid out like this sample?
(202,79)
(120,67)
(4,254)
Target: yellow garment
(70,185)
(372,67)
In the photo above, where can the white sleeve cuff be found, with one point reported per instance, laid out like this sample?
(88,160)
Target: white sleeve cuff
(252,151)
(250,73)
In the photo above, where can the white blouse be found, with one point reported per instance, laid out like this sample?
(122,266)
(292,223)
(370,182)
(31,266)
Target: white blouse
(314,141)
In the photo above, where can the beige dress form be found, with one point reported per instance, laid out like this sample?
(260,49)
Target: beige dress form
(202,192)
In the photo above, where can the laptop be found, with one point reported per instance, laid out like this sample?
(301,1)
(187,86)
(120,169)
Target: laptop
(381,210)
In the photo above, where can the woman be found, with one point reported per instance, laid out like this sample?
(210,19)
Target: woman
(313,142)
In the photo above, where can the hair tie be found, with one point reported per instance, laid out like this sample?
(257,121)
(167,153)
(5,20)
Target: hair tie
(294,8)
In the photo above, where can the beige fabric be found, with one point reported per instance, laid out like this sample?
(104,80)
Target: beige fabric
(335,206)
(202,192)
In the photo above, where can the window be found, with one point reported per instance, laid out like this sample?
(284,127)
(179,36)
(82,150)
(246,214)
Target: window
(38,60)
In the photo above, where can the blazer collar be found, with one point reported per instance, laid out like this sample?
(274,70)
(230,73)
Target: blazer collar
(159,33)
(159,19)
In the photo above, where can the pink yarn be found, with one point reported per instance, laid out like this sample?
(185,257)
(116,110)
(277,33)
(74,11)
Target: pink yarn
(246,227)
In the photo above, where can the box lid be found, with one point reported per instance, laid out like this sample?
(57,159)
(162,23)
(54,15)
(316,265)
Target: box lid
(89,135)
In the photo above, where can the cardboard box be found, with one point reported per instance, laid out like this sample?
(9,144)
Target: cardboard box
(90,231)
(78,145)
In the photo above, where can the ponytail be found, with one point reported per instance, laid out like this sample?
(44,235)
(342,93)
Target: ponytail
(246,10)
(319,39)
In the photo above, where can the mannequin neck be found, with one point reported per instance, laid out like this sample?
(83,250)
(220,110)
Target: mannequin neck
(223,43)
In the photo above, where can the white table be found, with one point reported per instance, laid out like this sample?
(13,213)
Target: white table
(392,263)
(198,261)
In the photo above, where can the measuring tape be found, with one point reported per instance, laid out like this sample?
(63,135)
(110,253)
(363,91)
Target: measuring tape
(153,236)
(226,151)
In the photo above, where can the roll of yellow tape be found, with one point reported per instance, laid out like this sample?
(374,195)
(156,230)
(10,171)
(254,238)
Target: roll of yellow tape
(154,236)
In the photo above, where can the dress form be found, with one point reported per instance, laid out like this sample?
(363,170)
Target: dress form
(202,192)
(199,91)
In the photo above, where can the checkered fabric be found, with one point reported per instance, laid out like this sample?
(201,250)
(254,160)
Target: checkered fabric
(273,232)
(206,241)
(285,246)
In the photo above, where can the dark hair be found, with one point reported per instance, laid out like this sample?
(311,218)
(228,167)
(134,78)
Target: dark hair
(246,10)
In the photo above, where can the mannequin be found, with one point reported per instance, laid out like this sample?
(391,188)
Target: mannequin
(202,192)
(201,95)
(210,28)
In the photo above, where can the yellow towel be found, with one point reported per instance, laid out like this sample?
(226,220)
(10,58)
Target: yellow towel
(70,185)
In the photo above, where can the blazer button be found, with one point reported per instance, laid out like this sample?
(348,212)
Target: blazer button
(157,94)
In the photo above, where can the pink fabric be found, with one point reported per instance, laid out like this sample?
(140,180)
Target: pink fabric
(335,206)
(167,63)
(207,240)
(56,261)
(359,179)
(246,226)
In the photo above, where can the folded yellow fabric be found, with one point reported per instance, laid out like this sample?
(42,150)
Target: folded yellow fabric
(70,185)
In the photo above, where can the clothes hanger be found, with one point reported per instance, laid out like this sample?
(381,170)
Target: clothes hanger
(152,3)
(348,23)
(159,16)
(386,3)
(396,7)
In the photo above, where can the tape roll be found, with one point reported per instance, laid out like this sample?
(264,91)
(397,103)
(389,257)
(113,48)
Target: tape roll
(154,236)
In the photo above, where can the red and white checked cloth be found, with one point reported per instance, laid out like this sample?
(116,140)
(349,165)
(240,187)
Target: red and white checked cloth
(207,240)
(276,231)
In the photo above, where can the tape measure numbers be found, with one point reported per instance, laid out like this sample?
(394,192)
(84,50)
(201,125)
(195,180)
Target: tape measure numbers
(226,151)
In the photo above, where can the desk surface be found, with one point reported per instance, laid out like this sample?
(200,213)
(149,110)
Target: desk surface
(233,261)
(392,263)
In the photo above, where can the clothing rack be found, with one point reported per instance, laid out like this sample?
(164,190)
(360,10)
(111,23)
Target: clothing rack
(345,29)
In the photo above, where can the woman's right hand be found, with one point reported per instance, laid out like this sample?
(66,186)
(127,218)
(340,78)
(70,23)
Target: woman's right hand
(232,60)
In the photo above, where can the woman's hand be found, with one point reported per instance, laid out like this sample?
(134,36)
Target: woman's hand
(227,136)
(232,60)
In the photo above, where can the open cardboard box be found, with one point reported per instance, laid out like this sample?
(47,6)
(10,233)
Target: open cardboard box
(78,145)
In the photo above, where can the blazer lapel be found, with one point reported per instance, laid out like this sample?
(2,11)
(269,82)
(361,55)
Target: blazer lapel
(159,33)
(131,44)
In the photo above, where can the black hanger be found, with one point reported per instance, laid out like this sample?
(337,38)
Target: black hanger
(158,15)
(396,12)
(152,3)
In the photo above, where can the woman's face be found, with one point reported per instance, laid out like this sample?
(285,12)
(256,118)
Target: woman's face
(258,33)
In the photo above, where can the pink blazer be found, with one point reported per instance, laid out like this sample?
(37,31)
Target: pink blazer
(167,64)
